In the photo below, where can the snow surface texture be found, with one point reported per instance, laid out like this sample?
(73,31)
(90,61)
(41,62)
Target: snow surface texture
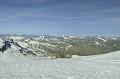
(106,66)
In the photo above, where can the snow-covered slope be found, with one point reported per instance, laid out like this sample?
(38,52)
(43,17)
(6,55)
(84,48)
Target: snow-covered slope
(17,63)
(112,56)
(52,45)
(78,67)
(107,57)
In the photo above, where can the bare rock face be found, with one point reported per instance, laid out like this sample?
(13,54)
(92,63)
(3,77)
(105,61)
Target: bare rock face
(14,46)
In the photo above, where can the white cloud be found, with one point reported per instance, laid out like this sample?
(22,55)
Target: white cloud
(9,19)
(24,1)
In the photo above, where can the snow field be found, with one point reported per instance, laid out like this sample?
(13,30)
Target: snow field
(78,67)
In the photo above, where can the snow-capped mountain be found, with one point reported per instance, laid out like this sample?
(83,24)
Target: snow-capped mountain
(52,45)
(17,61)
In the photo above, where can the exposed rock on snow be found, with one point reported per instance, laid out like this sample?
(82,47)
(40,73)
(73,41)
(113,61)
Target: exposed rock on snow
(44,45)
(15,65)
(15,48)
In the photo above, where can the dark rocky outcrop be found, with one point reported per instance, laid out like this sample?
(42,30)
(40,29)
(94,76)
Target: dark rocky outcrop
(24,51)
(6,46)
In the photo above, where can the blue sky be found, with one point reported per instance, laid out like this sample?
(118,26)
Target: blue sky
(73,17)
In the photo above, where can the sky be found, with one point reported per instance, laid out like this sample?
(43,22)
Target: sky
(69,17)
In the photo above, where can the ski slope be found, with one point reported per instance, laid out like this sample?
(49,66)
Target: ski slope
(106,66)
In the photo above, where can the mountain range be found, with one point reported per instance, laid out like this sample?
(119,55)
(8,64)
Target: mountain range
(58,46)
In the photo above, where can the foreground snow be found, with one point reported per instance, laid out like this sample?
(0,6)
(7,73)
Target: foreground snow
(105,66)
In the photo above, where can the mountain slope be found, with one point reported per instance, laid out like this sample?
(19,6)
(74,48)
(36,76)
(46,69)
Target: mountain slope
(78,67)
(48,45)
(17,60)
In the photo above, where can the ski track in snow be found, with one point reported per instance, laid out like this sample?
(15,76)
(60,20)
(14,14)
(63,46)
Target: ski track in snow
(106,66)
